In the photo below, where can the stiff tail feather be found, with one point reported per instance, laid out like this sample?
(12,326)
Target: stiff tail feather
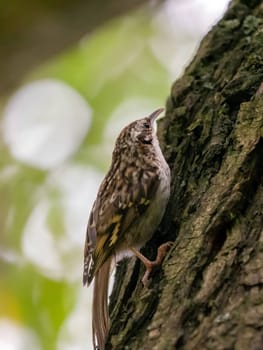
(100,311)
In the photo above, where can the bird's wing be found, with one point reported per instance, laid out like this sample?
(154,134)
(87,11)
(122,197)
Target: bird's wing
(117,206)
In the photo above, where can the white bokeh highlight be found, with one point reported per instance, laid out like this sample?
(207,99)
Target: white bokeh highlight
(76,331)
(179,28)
(45,122)
(15,337)
(60,256)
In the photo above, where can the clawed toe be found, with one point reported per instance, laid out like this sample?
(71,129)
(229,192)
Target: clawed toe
(162,251)
(150,265)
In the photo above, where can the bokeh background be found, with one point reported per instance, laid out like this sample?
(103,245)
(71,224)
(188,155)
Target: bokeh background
(59,119)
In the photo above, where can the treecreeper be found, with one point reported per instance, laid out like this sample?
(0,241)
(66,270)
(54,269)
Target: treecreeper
(128,209)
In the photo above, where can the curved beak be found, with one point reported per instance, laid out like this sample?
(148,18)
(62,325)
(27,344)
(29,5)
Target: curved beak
(155,114)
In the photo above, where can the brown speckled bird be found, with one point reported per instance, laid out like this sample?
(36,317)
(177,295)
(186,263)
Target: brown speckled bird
(129,207)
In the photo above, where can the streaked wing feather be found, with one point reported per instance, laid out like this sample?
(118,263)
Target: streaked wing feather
(106,226)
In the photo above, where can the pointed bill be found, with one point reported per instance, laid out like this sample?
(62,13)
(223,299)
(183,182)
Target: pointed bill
(155,114)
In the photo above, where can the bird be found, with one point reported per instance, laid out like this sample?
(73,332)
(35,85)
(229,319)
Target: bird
(129,206)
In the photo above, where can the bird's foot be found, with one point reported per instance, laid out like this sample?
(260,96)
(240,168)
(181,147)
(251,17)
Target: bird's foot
(151,264)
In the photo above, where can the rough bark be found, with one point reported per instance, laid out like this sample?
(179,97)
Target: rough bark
(208,294)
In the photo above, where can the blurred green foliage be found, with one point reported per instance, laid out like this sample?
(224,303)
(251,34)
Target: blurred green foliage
(111,65)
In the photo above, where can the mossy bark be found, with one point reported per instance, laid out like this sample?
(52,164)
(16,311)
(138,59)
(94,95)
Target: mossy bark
(209,292)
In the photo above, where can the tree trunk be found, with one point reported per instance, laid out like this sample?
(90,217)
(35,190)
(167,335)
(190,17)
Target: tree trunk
(208,293)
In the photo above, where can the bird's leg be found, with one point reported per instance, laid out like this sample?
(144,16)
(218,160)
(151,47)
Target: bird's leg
(149,264)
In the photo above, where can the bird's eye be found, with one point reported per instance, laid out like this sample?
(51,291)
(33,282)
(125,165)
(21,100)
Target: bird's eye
(146,125)
(147,142)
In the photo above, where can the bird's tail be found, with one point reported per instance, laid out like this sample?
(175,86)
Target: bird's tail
(100,311)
